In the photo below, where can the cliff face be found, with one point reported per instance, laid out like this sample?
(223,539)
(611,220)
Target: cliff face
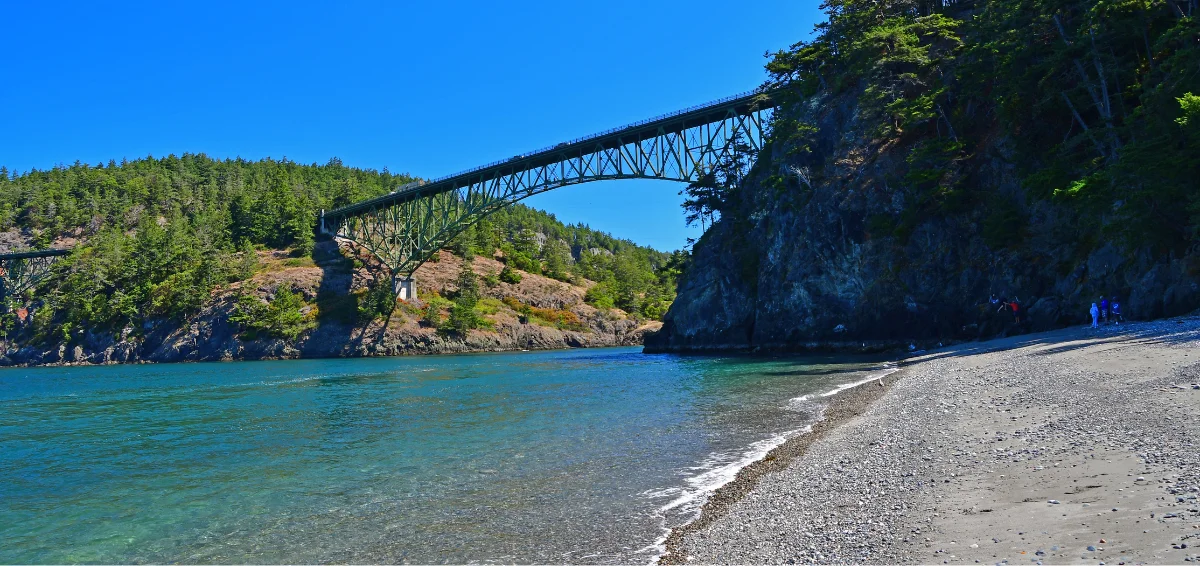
(327,288)
(824,247)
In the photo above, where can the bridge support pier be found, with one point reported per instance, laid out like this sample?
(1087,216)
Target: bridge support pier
(405,288)
(323,228)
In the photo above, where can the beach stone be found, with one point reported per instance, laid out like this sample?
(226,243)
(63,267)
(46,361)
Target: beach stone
(989,419)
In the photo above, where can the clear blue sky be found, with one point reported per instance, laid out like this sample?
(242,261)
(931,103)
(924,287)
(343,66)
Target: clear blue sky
(427,88)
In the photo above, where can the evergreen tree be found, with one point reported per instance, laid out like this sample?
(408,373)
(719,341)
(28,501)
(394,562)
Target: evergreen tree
(558,259)
(510,275)
(463,317)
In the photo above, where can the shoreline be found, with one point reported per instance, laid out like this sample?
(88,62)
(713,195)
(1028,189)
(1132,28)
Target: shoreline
(844,404)
(299,354)
(415,353)
(955,458)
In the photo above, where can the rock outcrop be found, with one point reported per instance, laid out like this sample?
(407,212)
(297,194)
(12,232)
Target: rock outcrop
(822,248)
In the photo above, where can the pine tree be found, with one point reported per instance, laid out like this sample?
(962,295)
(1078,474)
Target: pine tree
(463,317)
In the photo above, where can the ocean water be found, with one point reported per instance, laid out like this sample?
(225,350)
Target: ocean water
(582,456)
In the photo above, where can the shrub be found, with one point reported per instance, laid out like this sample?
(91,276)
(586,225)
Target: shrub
(516,305)
(488,306)
(247,262)
(431,315)
(521,261)
(463,317)
(491,280)
(559,318)
(510,275)
(282,317)
(378,301)
(299,262)
(600,296)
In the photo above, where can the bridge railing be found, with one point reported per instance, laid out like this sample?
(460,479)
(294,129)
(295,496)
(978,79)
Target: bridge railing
(634,125)
(27,254)
(417,184)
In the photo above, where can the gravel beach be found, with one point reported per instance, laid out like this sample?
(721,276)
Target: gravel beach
(1074,446)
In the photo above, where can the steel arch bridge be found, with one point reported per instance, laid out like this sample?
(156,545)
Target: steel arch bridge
(404,228)
(20,272)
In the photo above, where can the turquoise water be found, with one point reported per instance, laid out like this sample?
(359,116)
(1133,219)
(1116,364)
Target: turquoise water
(579,456)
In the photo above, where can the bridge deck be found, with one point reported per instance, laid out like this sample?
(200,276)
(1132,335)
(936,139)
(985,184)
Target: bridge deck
(675,121)
(34,253)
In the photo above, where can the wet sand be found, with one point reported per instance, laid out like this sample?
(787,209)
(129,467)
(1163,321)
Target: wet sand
(1072,446)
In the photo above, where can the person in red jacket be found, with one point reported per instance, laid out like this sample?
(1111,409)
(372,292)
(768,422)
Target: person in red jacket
(1015,307)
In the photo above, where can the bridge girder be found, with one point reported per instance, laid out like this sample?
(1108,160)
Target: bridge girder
(404,229)
(22,271)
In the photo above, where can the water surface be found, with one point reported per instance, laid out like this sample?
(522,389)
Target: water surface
(580,455)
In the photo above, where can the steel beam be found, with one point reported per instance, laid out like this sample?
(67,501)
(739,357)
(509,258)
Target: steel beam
(404,228)
(20,272)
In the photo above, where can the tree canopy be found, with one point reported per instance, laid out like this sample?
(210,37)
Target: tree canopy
(1097,97)
(155,236)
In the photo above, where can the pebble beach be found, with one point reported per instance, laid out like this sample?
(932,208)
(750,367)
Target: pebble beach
(1073,446)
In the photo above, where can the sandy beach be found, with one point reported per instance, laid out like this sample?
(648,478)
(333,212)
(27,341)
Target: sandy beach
(1074,446)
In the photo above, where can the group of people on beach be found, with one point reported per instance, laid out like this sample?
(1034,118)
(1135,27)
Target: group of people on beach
(1107,310)
(1004,305)
(1104,312)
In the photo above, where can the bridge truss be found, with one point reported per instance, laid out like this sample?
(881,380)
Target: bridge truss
(20,272)
(403,229)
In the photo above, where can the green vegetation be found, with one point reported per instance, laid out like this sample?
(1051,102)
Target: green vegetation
(509,275)
(1097,102)
(431,315)
(558,318)
(283,316)
(463,317)
(162,268)
(638,280)
(378,300)
(157,235)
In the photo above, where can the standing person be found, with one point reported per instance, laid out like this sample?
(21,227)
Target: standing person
(1015,307)
(1116,311)
(1104,310)
(1095,312)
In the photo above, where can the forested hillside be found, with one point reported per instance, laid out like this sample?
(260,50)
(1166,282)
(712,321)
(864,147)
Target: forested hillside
(1098,101)
(932,153)
(153,238)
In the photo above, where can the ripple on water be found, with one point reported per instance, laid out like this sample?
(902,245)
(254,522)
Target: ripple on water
(580,456)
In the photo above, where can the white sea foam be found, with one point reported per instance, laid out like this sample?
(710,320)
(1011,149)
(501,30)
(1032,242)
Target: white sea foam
(888,369)
(721,468)
(717,470)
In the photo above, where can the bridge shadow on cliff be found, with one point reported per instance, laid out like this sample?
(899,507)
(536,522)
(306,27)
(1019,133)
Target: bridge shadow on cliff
(338,332)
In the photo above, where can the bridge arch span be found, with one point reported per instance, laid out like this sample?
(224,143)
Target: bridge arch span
(404,228)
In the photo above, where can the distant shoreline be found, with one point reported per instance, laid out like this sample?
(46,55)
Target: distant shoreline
(413,353)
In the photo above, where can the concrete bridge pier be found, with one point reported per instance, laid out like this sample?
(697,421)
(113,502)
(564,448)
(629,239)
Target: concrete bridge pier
(324,229)
(404,288)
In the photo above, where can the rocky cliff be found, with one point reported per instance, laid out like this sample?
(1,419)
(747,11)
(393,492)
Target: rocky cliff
(828,243)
